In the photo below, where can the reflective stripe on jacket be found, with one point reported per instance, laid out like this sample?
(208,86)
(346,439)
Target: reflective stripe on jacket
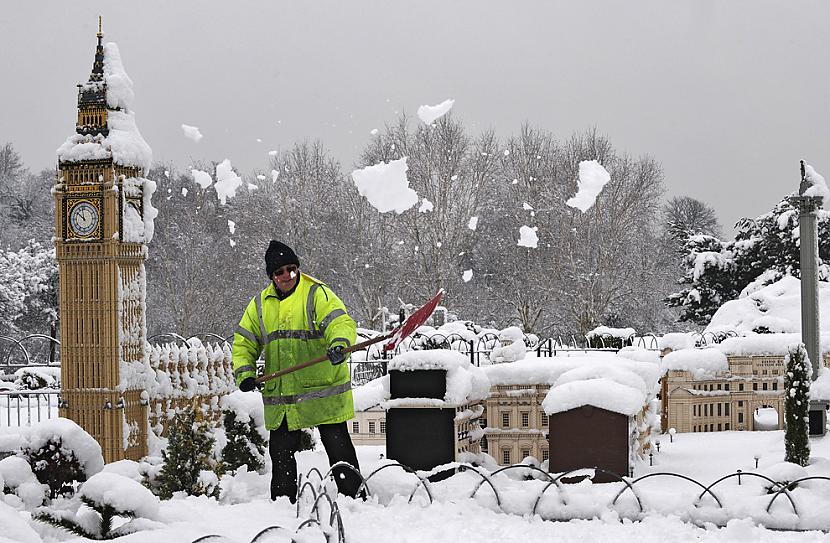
(291,331)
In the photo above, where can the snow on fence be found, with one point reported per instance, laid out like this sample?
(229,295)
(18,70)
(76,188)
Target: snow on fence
(194,374)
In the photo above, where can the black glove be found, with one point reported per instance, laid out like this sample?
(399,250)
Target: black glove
(247,384)
(336,355)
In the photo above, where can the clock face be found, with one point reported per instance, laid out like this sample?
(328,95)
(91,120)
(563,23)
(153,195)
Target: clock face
(83,218)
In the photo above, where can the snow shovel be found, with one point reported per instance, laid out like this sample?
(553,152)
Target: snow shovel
(416,319)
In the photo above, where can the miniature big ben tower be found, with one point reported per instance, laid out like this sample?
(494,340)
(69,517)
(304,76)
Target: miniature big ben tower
(103,221)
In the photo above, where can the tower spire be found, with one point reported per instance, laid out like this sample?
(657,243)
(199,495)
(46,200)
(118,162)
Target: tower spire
(100,33)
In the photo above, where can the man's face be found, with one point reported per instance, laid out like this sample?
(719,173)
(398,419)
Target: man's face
(286,277)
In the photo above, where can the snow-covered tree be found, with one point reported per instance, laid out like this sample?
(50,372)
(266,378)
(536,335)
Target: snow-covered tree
(188,463)
(245,445)
(796,406)
(28,290)
(764,250)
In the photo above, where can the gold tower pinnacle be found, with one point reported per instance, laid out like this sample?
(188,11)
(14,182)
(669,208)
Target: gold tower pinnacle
(100,32)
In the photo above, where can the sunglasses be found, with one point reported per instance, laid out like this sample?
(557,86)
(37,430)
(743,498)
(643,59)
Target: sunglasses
(285,269)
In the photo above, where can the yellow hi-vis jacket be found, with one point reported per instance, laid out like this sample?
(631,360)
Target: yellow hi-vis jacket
(292,331)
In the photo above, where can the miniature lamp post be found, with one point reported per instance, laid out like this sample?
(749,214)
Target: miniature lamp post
(756,457)
(672,431)
(808,257)
(657,443)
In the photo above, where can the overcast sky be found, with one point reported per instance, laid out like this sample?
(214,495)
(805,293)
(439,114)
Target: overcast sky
(727,95)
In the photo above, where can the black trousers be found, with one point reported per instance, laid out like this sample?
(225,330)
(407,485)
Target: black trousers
(284,443)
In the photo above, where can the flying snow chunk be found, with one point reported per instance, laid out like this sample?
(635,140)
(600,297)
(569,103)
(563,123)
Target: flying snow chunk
(527,207)
(272,153)
(468,274)
(184,192)
(274,176)
(385,186)
(428,114)
(227,181)
(191,132)
(232,242)
(473,223)
(260,177)
(231,226)
(528,237)
(592,177)
(374,131)
(203,179)
(426,205)
(251,186)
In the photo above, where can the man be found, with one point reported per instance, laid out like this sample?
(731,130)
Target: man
(297,318)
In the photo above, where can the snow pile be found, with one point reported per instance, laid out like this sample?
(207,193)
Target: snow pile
(702,363)
(676,341)
(764,344)
(72,437)
(25,491)
(639,354)
(35,377)
(818,186)
(775,308)
(15,527)
(528,237)
(592,178)
(191,132)
(428,114)
(605,386)
(247,407)
(124,143)
(512,346)
(135,227)
(465,382)
(371,394)
(820,388)
(534,370)
(765,418)
(386,186)
(121,493)
(227,181)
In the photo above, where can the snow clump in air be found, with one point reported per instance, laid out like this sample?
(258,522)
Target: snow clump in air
(386,186)
(191,132)
(528,237)
(203,179)
(473,223)
(227,181)
(467,275)
(428,114)
(592,178)
(426,205)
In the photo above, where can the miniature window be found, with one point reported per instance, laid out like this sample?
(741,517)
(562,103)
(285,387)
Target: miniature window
(505,420)
(525,421)
(355,427)
(505,456)
(545,455)
(726,409)
(740,418)
(383,427)
(371,427)
(544,418)
(525,453)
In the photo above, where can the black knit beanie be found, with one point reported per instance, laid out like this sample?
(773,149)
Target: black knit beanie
(279,255)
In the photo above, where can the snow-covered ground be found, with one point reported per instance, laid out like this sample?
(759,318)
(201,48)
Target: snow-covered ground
(388,515)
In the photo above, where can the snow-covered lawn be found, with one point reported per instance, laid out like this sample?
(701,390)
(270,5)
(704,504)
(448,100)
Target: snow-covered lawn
(388,516)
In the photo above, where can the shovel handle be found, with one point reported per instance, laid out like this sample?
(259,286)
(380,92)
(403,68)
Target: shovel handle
(319,359)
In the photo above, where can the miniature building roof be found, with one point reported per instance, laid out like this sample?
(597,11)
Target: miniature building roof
(605,386)
(702,363)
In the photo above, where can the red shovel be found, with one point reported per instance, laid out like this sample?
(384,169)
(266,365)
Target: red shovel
(416,319)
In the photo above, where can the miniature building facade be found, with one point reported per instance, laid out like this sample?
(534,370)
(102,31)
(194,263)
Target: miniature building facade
(727,401)
(516,425)
(102,321)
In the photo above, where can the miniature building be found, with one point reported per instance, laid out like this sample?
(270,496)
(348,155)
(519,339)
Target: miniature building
(728,399)
(368,427)
(517,427)
(99,214)
(589,436)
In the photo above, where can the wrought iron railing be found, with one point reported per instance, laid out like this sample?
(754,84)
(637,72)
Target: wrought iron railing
(27,407)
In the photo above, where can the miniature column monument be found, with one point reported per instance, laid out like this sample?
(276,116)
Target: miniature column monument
(807,229)
(103,220)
